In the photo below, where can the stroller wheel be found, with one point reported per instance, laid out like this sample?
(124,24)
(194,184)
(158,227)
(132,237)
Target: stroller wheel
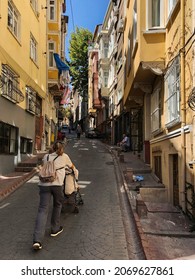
(81,202)
(76,210)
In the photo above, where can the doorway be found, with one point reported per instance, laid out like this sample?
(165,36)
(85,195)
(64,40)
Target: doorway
(175,180)
(136,134)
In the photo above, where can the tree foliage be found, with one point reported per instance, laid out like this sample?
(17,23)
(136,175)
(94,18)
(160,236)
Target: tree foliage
(78,53)
(66,112)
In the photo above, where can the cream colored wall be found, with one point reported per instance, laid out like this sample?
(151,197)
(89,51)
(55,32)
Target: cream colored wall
(173,47)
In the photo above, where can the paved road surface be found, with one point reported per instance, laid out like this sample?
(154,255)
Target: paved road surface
(97,232)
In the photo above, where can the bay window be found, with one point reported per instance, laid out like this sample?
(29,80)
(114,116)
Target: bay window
(172,93)
(155,14)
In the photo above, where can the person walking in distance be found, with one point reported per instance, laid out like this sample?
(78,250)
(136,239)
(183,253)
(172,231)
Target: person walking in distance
(52,189)
(79,131)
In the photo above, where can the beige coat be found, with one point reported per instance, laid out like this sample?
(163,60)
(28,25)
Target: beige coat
(71,184)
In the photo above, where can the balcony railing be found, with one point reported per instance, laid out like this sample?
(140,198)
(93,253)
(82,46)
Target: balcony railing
(10,85)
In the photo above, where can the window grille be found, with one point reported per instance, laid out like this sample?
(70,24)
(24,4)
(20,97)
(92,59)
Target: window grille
(10,85)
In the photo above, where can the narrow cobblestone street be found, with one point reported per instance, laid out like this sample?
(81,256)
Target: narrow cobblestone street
(97,232)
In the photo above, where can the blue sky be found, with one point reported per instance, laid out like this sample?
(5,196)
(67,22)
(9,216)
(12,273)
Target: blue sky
(86,14)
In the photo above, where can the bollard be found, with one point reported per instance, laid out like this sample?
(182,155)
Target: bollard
(118,152)
(141,208)
(129,171)
(121,158)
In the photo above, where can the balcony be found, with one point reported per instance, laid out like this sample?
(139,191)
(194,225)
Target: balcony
(10,85)
(55,90)
(104,92)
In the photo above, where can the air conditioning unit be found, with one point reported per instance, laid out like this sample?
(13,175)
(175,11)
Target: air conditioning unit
(121,25)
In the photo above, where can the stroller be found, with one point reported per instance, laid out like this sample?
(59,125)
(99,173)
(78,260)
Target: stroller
(72,193)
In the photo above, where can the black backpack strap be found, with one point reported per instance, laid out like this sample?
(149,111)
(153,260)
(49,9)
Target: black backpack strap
(56,157)
(60,167)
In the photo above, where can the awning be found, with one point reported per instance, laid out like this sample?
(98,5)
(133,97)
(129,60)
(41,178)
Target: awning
(60,64)
(157,67)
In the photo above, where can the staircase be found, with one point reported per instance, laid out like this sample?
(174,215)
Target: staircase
(29,164)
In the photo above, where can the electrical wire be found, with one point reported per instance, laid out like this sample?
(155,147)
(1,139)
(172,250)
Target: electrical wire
(72,15)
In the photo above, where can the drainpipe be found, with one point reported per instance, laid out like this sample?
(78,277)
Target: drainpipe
(193,85)
(183,108)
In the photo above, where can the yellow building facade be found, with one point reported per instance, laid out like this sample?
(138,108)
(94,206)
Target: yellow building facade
(158,92)
(23,79)
(56,32)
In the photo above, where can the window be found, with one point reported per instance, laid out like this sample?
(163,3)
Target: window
(51,48)
(119,61)
(8,139)
(33,49)
(128,64)
(106,46)
(158,167)
(52,13)
(10,81)
(13,20)
(111,105)
(171,5)
(172,93)
(135,23)
(105,79)
(155,110)
(155,13)
(38,106)
(119,95)
(30,100)
(26,145)
(34,4)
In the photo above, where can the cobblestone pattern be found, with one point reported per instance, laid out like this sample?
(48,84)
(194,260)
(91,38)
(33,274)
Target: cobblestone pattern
(97,232)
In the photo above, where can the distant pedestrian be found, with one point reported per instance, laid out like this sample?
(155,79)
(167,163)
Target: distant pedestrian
(60,136)
(51,189)
(79,131)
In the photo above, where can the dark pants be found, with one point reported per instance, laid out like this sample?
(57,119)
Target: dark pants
(78,135)
(46,192)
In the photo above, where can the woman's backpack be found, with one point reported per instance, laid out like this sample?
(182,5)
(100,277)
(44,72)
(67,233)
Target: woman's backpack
(47,173)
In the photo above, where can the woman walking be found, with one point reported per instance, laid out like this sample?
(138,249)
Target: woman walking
(51,189)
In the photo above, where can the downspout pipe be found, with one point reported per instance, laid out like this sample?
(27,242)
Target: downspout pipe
(183,108)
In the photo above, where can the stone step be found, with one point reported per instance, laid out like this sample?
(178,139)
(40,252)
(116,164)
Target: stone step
(24,168)
(141,171)
(27,164)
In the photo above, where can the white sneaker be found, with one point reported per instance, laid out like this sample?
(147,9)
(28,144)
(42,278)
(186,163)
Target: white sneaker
(37,246)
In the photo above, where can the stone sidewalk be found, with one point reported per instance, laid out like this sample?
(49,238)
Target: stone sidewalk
(163,228)
(24,172)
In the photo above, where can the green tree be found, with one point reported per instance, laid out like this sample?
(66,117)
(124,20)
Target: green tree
(78,53)
(66,112)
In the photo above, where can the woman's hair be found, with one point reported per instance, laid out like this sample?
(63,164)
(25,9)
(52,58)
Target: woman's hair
(58,147)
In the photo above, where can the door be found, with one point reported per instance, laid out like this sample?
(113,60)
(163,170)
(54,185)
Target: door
(136,136)
(175,181)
